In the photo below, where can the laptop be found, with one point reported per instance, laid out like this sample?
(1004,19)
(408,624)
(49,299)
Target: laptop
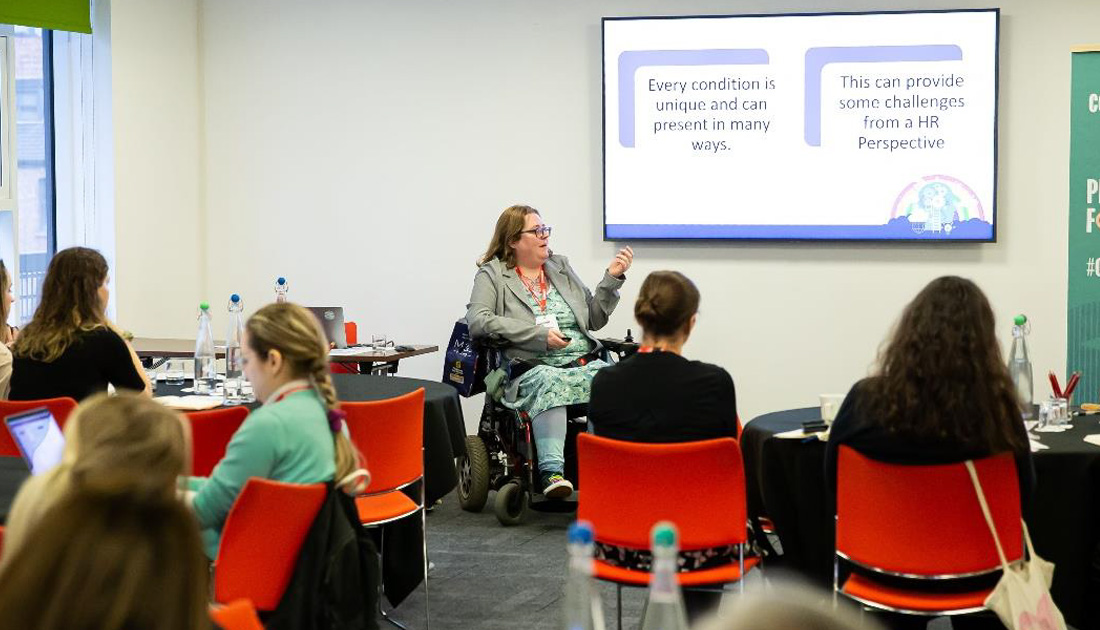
(332,321)
(38,437)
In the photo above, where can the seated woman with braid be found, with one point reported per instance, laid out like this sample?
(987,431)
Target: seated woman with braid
(296,436)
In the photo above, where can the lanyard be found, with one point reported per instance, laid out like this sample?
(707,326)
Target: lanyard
(543,289)
(647,349)
(292,390)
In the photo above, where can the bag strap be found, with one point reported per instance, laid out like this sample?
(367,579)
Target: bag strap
(989,517)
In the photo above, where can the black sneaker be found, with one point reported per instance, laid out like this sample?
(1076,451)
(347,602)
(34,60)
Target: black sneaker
(555,486)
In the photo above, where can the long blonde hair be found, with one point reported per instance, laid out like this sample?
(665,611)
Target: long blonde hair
(70,304)
(125,444)
(509,229)
(126,440)
(297,335)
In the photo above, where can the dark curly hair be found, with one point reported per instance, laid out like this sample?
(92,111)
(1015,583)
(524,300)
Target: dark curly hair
(941,374)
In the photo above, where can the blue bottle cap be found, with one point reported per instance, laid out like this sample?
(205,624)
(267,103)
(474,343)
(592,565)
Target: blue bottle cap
(281,281)
(580,532)
(1020,319)
(234,298)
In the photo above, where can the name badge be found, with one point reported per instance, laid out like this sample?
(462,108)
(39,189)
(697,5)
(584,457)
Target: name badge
(548,321)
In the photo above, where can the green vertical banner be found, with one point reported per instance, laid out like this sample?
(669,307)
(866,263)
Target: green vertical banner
(1083,308)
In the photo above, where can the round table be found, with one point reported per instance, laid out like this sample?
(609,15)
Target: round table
(785,480)
(444,427)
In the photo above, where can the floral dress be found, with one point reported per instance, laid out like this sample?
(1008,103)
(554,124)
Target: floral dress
(545,386)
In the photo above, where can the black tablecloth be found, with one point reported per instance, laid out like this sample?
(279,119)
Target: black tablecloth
(13,472)
(785,479)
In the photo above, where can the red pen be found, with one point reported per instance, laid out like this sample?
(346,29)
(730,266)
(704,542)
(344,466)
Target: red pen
(1054,386)
(1072,384)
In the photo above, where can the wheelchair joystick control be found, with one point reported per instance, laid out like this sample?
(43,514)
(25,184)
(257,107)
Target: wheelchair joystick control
(629,337)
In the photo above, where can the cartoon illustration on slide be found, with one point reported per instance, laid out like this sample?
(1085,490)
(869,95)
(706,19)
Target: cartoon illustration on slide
(939,206)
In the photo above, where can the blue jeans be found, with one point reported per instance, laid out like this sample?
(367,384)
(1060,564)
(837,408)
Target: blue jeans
(549,428)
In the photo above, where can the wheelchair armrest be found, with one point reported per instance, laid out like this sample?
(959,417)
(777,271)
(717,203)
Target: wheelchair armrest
(620,347)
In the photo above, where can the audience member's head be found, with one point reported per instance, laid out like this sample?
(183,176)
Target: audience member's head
(6,299)
(666,306)
(284,342)
(74,299)
(121,440)
(131,436)
(790,606)
(109,558)
(941,372)
(508,230)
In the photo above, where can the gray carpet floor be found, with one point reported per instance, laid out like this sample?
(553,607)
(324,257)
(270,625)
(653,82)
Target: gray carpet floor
(489,577)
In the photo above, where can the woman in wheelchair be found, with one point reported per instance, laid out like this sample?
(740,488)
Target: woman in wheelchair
(531,298)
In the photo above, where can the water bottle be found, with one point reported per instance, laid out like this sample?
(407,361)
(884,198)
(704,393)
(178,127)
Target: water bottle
(665,607)
(233,375)
(281,288)
(1019,363)
(583,610)
(206,365)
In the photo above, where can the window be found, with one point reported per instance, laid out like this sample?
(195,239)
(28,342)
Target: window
(34,151)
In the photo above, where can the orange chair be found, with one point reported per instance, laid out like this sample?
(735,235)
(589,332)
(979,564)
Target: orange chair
(390,435)
(700,488)
(236,615)
(261,539)
(211,431)
(351,335)
(59,407)
(922,522)
(1,538)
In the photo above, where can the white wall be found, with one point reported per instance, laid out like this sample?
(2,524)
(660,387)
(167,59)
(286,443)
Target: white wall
(158,269)
(364,148)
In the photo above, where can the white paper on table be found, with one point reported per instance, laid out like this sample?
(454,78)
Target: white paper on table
(1053,428)
(793,434)
(1093,439)
(1038,446)
(362,350)
(1030,424)
(190,403)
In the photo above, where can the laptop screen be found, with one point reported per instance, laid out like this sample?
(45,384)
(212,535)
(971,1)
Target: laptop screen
(38,437)
(332,321)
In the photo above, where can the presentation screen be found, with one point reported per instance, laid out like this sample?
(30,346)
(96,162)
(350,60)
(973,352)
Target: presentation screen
(848,126)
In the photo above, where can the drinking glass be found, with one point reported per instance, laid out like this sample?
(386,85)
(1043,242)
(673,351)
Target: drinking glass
(175,371)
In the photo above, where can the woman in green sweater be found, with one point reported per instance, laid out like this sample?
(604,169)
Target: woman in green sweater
(297,435)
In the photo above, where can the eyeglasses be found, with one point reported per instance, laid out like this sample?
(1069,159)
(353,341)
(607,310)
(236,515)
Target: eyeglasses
(541,232)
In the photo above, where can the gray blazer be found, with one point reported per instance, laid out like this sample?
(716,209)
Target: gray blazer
(499,309)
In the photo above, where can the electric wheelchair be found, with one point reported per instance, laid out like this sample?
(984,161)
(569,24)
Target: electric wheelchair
(502,455)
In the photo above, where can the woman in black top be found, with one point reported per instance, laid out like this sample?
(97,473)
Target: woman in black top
(657,395)
(941,394)
(70,348)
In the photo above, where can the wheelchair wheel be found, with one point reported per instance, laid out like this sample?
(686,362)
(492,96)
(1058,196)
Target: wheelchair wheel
(473,475)
(511,504)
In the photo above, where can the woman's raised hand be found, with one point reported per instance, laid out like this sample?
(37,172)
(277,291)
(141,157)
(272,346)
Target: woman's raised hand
(621,262)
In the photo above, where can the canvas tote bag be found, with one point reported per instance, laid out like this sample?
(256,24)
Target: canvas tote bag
(1021,598)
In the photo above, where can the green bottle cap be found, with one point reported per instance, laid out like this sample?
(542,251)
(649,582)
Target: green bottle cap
(664,534)
(1020,319)
(204,306)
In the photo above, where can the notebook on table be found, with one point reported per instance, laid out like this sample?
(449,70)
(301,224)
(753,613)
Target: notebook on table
(38,438)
